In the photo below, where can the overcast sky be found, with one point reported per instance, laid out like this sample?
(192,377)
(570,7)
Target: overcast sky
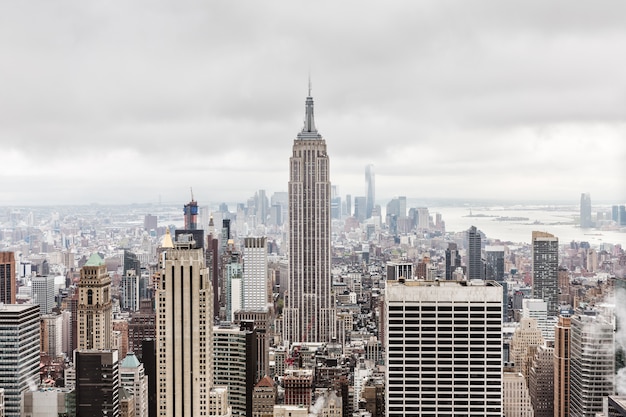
(136,101)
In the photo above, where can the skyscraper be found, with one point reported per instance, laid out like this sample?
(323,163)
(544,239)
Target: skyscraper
(592,363)
(184,306)
(370,186)
(475,264)
(97,383)
(255,289)
(562,343)
(545,264)
(133,379)
(310,307)
(443,348)
(42,293)
(191,214)
(7,278)
(19,344)
(453,260)
(585,211)
(94,305)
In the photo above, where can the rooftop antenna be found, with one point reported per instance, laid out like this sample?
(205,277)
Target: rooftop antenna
(191,188)
(309,83)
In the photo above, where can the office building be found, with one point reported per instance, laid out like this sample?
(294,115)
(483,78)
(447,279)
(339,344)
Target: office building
(298,384)
(616,406)
(526,335)
(42,293)
(360,208)
(129,291)
(585,211)
(494,259)
(262,325)
(19,344)
(443,348)
(516,400)
(150,223)
(7,278)
(453,260)
(309,314)
(255,283)
(475,264)
(48,402)
(232,267)
(538,310)
(97,383)
(134,380)
(562,343)
(234,364)
(94,306)
(397,270)
(592,362)
(545,265)
(264,398)
(51,335)
(184,307)
(370,190)
(142,326)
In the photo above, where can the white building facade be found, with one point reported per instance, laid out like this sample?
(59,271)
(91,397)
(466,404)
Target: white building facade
(443,348)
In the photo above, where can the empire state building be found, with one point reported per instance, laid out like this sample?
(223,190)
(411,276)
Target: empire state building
(310,314)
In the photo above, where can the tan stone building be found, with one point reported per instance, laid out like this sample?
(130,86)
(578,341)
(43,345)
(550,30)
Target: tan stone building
(264,398)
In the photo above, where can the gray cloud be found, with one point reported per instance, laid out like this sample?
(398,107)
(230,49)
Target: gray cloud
(446,95)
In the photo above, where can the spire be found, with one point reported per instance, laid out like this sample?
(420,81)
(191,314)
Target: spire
(309,131)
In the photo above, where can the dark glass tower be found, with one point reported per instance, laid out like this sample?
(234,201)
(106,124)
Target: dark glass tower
(545,255)
(475,264)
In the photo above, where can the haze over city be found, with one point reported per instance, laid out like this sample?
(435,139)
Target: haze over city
(134,102)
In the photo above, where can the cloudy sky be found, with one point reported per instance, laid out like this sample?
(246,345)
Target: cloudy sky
(136,101)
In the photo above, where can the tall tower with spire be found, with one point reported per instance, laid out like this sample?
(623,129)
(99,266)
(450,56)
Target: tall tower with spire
(310,306)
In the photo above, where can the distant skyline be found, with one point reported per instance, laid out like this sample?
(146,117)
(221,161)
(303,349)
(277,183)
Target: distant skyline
(136,102)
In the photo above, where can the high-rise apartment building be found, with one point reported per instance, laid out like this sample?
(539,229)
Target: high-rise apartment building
(585,211)
(370,188)
(42,293)
(592,362)
(541,381)
(545,264)
(443,348)
(7,278)
(94,306)
(309,315)
(562,343)
(184,307)
(19,344)
(475,264)
(255,283)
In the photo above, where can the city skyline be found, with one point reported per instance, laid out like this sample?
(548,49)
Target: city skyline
(121,103)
